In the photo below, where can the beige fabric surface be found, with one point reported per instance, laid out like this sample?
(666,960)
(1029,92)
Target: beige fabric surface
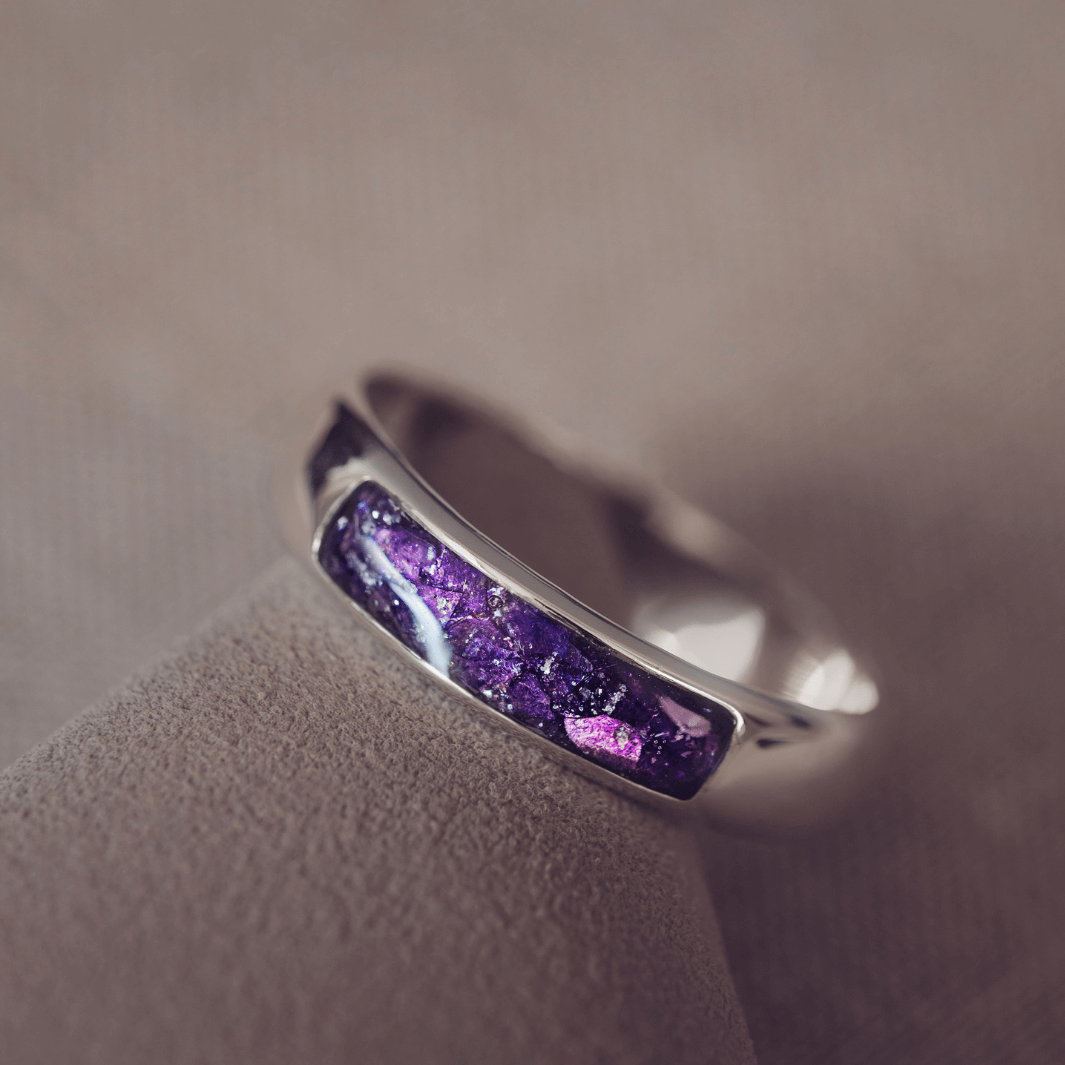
(282,845)
(803,261)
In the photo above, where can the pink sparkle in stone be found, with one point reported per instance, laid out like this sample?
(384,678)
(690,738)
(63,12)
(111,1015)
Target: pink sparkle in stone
(606,739)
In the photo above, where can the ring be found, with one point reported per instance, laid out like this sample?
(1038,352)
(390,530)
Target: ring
(622,630)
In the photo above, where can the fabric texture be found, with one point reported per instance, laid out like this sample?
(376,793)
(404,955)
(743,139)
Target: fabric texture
(282,844)
(804,262)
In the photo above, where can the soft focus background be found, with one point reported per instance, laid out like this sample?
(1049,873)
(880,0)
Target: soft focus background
(804,261)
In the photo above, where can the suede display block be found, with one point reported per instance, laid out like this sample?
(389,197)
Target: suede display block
(280,844)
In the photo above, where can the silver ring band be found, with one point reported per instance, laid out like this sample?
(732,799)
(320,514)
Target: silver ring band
(625,632)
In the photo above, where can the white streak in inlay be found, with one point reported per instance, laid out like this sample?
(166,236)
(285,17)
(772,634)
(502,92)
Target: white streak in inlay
(431,633)
(687,721)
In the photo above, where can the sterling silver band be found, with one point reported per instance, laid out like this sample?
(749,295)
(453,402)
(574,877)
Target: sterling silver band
(629,565)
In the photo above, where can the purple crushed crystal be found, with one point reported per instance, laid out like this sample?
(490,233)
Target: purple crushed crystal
(562,683)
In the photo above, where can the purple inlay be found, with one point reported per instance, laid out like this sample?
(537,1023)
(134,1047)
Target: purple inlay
(538,671)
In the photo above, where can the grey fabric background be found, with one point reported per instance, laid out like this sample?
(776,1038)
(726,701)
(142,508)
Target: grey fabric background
(803,261)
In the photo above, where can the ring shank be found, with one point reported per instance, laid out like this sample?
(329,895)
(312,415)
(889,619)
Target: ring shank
(719,615)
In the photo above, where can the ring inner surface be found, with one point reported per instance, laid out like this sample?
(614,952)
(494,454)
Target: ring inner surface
(711,600)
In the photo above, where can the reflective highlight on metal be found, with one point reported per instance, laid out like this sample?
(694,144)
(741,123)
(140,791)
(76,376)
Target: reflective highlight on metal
(618,628)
